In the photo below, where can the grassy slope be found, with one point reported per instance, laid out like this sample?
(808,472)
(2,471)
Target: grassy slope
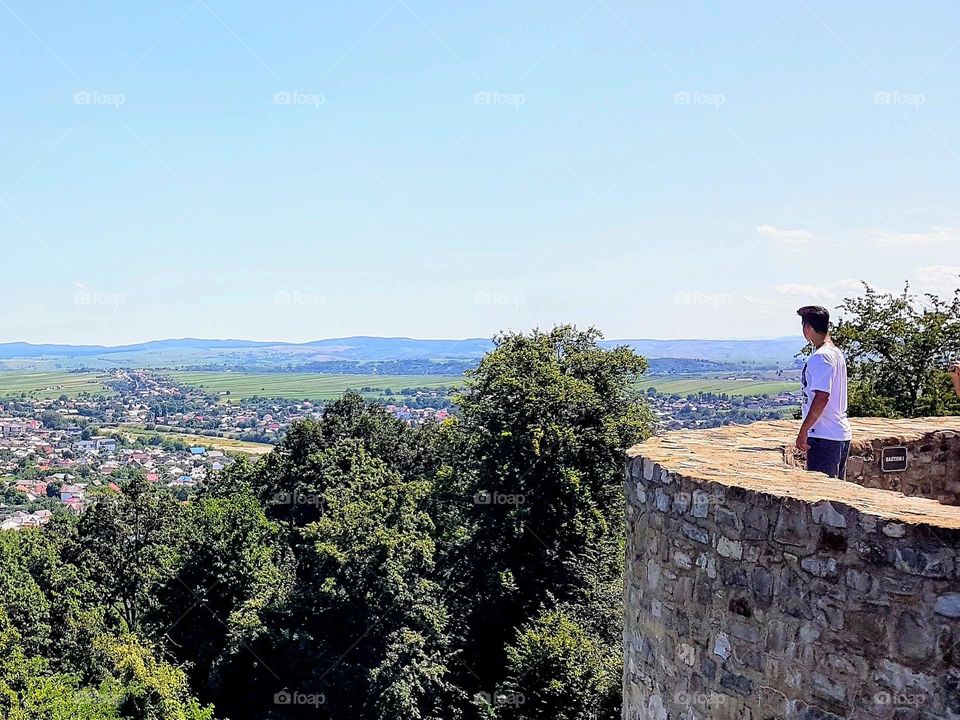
(51,384)
(227,445)
(300,386)
(718,385)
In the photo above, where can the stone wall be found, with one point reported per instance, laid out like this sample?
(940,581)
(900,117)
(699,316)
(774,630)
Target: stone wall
(757,590)
(933,466)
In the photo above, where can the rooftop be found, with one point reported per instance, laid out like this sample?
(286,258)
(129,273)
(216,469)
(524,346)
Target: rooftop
(755,457)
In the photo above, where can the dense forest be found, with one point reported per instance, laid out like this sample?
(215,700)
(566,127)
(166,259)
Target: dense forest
(364,569)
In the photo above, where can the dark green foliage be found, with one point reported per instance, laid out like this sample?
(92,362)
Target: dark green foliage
(898,348)
(364,569)
(548,416)
(559,669)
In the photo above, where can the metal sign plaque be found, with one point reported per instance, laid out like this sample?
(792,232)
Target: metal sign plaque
(893,459)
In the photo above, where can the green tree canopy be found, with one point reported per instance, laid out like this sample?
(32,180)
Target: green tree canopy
(898,348)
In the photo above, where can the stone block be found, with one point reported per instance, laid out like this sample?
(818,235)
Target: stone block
(820,566)
(824,513)
(729,548)
(721,646)
(912,640)
(793,525)
(681,502)
(695,533)
(894,530)
(700,504)
(948,605)
(932,564)
(662,500)
(649,468)
(738,684)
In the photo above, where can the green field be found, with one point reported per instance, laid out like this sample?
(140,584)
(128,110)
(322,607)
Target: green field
(730,386)
(305,386)
(51,384)
(227,445)
(315,386)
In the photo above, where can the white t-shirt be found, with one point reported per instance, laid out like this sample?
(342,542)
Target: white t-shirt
(826,370)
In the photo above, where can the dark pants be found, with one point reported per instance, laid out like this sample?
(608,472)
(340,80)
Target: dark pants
(828,456)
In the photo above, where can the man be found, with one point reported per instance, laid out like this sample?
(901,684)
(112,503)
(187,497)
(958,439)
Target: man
(825,432)
(955,376)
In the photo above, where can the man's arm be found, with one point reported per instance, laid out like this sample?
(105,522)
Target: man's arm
(820,399)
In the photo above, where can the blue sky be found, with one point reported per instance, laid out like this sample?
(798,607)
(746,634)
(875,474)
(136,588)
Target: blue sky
(300,170)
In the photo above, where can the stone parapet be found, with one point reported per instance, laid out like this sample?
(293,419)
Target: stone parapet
(757,590)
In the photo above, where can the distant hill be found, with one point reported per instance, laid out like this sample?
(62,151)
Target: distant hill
(780,350)
(196,352)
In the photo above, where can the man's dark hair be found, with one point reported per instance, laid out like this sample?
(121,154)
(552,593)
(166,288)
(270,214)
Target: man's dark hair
(816,317)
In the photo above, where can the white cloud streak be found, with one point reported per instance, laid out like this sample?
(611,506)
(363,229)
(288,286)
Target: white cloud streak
(788,239)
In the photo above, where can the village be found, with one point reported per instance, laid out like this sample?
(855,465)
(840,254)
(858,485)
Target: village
(708,409)
(47,469)
(58,454)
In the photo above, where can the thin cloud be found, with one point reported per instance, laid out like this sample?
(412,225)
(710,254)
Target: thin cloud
(933,236)
(789,239)
(816,292)
(830,292)
(942,280)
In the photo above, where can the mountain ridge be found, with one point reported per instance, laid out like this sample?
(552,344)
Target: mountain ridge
(370,348)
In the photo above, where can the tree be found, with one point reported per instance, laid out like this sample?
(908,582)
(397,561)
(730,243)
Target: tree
(898,348)
(229,564)
(557,669)
(126,547)
(547,417)
(363,621)
(30,691)
(52,420)
(146,688)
